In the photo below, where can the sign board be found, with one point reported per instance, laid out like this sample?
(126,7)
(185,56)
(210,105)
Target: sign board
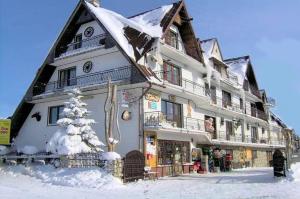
(5,131)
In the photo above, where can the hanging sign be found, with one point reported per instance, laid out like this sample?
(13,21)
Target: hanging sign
(5,132)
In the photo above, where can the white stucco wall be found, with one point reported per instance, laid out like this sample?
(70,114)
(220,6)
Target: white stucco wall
(38,133)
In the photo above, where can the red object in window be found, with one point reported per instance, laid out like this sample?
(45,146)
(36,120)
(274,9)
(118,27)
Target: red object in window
(228,157)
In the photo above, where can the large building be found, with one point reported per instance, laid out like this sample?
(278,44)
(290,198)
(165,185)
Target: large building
(178,98)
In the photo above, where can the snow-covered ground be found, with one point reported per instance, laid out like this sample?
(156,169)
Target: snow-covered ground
(47,182)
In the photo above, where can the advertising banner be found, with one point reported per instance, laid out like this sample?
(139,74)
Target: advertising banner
(5,132)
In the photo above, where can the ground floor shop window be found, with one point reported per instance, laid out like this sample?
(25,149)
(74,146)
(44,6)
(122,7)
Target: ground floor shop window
(173,152)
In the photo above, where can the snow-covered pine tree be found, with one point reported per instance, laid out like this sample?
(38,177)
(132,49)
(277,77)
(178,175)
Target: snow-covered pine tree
(76,134)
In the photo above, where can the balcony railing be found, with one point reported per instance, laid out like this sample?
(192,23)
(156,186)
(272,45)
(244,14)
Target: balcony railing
(118,74)
(230,106)
(93,42)
(186,84)
(159,119)
(258,113)
(233,138)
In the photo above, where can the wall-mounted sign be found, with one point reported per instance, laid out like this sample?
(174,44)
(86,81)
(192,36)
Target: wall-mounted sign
(5,132)
(152,105)
(172,98)
(152,97)
(89,31)
(126,115)
(87,66)
(125,99)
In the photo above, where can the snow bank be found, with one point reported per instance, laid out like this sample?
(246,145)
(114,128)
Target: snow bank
(29,150)
(295,172)
(110,156)
(79,177)
(4,150)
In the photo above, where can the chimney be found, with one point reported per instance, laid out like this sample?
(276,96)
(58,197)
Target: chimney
(96,3)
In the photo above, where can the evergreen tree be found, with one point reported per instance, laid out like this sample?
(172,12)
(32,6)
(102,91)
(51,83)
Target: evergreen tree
(75,134)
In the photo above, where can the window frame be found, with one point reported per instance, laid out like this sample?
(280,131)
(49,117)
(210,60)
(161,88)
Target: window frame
(176,34)
(166,71)
(226,99)
(66,82)
(180,115)
(49,114)
(78,43)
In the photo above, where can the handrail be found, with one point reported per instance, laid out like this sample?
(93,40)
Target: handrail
(186,84)
(96,41)
(159,119)
(117,74)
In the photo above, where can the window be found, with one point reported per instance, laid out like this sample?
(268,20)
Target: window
(253,110)
(172,73)
(173,152)
(241,104)
(67,77)
(263,130)
(213,94)
(229,130)
(54,114)
(226,99)
(254,134)
(174,39)
(172,113)
(254,154)
(78,41)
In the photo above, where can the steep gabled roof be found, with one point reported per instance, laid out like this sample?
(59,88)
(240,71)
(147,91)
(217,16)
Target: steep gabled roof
(278,120)
(132,37)
(239,66)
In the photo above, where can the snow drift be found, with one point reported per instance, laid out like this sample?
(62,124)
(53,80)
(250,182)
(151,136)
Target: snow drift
(79,177)
(295,172)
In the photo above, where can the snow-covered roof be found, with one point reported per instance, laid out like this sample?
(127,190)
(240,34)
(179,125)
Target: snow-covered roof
(151,20)
(116,24)
(207,46)
(239,67)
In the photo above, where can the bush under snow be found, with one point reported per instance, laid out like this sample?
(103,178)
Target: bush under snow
(29,150)
(4,150)
(76,134)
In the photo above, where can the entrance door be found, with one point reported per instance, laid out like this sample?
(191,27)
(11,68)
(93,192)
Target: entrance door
(177,160)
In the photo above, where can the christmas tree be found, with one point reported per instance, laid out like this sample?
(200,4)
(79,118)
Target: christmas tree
(75,134)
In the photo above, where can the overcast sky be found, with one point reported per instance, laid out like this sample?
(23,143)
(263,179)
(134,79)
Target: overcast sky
(267,30)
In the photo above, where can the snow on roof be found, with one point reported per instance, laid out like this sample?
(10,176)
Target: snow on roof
(148,23)
(207,46)
(239,67)
(151,20)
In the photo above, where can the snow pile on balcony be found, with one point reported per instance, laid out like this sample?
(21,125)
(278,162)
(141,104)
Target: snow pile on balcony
(4,150)
(29,150)
(110,156)
(239,67)
(295,171)
(76,134)
(115,23)
(75,177)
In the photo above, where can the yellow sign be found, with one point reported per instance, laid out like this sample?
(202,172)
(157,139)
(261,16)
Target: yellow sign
(5,131)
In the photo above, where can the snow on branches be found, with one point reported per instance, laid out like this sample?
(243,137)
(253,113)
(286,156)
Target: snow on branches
(75,134)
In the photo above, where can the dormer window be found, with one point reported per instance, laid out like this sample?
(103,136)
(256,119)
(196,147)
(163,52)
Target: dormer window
(78,41)
(174,39)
